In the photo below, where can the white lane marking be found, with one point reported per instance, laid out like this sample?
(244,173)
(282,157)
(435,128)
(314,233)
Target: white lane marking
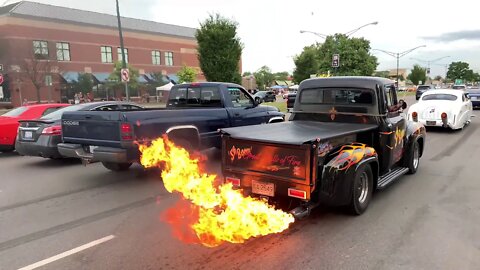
(68,253)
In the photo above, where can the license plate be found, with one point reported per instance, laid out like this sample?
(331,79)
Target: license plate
(431,123)
(262,188)
(91,148)
(28,135)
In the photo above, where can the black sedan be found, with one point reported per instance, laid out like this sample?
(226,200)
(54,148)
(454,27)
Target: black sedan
(265,96)
(474,95)
(40,137)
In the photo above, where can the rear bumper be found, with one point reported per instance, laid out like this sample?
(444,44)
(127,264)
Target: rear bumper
(45,147)
(438,123)
(6,147)
(103,154)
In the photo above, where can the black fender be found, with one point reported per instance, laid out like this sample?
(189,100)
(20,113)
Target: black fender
(339,172)
(415,132)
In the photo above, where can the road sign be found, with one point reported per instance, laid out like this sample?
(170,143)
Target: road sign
(1,79)
(336,60)
(125,75)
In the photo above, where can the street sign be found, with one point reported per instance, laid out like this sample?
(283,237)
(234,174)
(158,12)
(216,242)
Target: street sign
(48,80)
(125,75)
(336,61)
(1,79)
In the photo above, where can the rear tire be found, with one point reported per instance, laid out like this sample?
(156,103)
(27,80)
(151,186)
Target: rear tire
(116,167)
(362,190)
(414,158)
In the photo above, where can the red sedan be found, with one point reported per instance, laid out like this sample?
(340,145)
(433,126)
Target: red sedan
(9,122)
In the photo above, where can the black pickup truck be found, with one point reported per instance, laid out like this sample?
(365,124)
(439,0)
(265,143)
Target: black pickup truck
(193,115)
(347,136)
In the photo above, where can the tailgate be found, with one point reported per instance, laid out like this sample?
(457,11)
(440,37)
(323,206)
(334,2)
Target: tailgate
(100,128)
(285,162)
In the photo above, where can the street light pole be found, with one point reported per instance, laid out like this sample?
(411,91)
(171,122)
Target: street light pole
(122,48)
(399,55)
(429,62)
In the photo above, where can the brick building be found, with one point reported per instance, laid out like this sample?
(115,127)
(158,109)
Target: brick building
(42,43)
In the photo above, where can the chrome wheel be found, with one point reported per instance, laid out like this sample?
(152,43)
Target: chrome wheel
(416,156)
(363,188)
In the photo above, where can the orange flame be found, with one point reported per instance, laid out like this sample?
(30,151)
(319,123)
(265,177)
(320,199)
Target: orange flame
(224,214)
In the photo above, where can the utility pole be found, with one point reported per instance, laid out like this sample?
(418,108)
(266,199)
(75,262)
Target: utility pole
(122,48)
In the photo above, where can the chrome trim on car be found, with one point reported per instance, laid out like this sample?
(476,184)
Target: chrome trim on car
(276,118)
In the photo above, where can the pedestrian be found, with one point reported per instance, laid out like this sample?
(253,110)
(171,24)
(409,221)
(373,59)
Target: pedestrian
(76,98)
(25,102)
(80,96)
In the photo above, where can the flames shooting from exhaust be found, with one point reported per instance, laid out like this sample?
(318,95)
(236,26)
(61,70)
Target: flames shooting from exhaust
(224,214)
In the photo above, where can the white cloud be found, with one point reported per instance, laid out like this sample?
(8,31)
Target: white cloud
(270,29)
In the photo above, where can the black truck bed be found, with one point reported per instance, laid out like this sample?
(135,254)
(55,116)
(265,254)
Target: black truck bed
(296,132)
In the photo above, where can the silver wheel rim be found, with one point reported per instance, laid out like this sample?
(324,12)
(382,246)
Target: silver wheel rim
(363,188)
(416,156)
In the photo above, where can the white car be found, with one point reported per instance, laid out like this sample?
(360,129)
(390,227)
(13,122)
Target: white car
(442,108)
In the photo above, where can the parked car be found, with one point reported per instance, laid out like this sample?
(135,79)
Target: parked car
(422,89)
(40,137)
(346,138)
(474,95)
(265,96)
(442,108)
(9,121)
(459,87)
(193,115)
(285,95)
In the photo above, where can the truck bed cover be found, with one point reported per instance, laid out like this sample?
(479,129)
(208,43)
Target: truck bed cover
(296,132)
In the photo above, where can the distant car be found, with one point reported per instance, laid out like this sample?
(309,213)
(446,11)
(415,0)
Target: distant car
(40,137)
(474,95)
(291,100)
(459,87)
(9,121)
(265,96)
(285,95)
(442,108)
(422,89)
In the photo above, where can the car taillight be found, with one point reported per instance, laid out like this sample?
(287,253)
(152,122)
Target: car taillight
(126,131)
(444,115)
(52,131)
(415,116)
(300,194)
(235,181)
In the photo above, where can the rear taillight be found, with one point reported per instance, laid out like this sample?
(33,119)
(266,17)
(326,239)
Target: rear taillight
(235,181)
(415,116)
(295,193)
(444,115)
(126,131)
(52,131)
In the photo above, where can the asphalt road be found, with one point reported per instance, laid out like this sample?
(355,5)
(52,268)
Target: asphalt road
(427,221)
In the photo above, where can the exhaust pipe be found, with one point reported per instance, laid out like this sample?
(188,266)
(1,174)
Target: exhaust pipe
(303,210)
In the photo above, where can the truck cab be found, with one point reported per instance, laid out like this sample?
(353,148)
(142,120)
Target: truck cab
(346,137)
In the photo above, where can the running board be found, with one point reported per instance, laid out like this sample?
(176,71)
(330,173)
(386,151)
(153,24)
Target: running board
(393,175)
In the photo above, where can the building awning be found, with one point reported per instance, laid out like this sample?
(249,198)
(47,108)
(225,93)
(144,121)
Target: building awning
(101,77)
(70,76)
(173,78)
(281,83)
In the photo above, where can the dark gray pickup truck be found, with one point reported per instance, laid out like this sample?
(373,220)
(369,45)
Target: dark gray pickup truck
(193,115)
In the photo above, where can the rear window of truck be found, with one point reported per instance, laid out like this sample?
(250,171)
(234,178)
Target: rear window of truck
(195,96)
(337,96)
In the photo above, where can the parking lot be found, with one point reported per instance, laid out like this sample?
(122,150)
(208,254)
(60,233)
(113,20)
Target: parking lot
(426,221)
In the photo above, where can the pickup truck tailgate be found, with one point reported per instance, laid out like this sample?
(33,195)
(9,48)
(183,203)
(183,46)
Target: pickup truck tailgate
(101,127)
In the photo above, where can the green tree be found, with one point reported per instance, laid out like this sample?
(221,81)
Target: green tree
(458,70)
(282,76)
(382,74)
(246,73)
(84,83)
(307,63)
(264,77)
(115,79)
(187,74)
(355,57)
(438,78)
(418,74)
(219,49)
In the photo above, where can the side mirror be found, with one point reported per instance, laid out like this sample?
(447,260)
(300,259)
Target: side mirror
(403,103)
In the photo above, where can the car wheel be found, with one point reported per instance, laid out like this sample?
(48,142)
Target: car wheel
(116,167)
(414,158)
(362,190)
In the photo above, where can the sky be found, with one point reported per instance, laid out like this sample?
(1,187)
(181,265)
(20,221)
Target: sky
(270,29)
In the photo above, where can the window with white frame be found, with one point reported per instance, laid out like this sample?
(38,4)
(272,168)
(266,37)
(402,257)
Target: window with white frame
(156,58)
(119,52)
(40,48)
(63,51)
(106,53)
(169,58)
